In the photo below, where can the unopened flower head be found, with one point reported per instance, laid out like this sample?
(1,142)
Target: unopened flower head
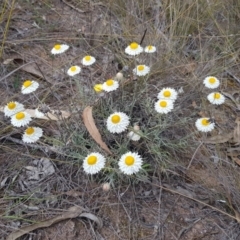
(98,88)
(106,187)
(141,70)
(164,106)
(117,122)
(12,108)
(73,70)
(216,98)
(93,163)
(130,163)
(59,48)
(150,49)
(119,76)
(32,134)
(168,93)
(29,86)
(204,125)
(88,60)
(134,49)
(21,119)
(110,85)
(211,82)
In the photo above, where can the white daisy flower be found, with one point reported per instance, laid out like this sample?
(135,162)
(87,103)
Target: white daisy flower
(29,86)
(12,108)
(93,163)
(110,85)
(150,49)
(117,122)
(130,163)
(141,70)
(98,88)
(204,125)
(168,93)
(21,119)
(38,113)
(133,49)
(73,70)
(216,98)
(211,82)
(32,134)
(59,48)
(88,60)
(164,106)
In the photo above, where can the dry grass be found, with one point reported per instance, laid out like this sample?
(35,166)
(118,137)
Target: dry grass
(194,39)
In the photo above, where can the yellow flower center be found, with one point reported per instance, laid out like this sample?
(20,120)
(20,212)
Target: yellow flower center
(110,82)
(150,47)
(20,116)
(129,160)
(116,119)
(140,67)
(163,104)
(217,95)
(87,58)
(29,130)
(11,105)
(92,160)
(205,122)
(73,69)
(98,87)
(27,83)
(57,47)
(134,45)
(212,80)
(167,93)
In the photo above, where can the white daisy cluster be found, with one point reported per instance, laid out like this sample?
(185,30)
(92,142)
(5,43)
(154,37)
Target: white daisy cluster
(166,98)
(205,124)
(129,163)
(134,49)
(214,97)
(20,117)
(75,69)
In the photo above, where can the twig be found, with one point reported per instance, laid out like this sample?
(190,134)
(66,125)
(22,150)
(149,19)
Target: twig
(15,70)
(190,163)
(233,76)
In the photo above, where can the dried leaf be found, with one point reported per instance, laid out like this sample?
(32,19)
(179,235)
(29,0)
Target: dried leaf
(221,138)
(93,218)
(92,129)
(236,160)
(229,95)
(72,212)
(236,132)
(53,115)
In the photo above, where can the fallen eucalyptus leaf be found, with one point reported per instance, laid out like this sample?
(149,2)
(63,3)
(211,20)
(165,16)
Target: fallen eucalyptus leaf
(93,218)
(72,212)
(236,132)
(92,129)
(221,138)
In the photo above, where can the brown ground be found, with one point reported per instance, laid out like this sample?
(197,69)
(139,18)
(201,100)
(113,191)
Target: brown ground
(175,205)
